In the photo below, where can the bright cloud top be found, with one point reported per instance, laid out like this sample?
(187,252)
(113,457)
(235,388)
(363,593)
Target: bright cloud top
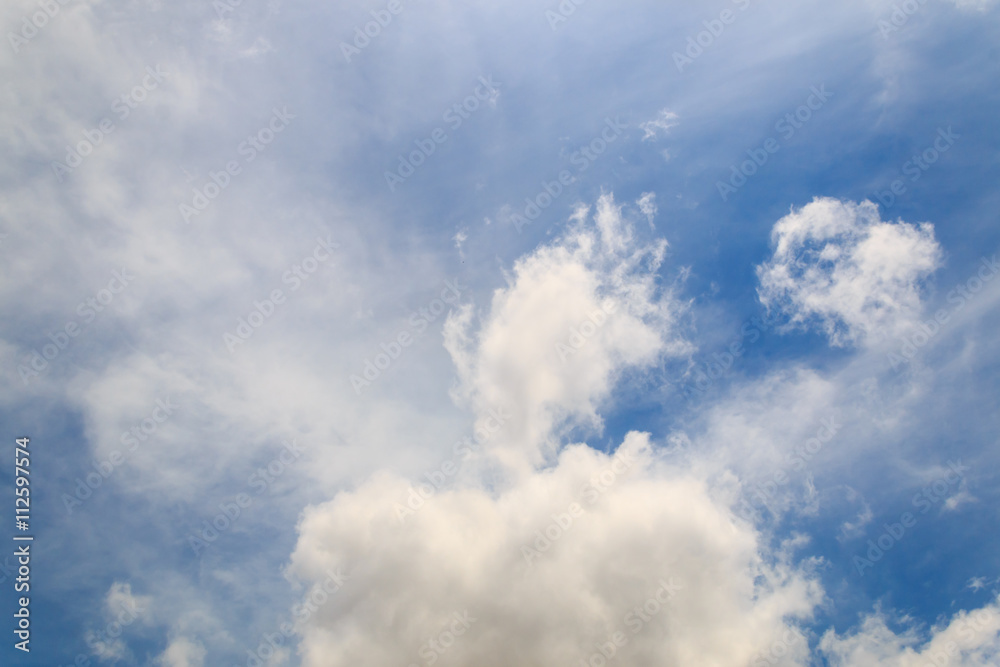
(593,557)
(839,268)
(597,555)
(601,556)
(575,314)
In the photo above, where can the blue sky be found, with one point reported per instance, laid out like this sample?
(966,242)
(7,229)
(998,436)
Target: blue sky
(274,331)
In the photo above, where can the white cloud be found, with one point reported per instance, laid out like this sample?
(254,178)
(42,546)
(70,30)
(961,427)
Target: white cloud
(856,528)
(963,497)
(461,236)
(575,313)
(551,560)
(121,610)
(164,337)
(974,5)
(182,652)
(550,568)
(976,583)
(662,123)
(970,639)
(647,204)
(839,268)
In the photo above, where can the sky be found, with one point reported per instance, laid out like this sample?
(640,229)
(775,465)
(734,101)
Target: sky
(417,332)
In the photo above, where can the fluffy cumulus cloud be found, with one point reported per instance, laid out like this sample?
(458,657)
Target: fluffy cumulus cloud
(575,314)
(841,269)
(968,639)
(600,548)
(534,550)
(559,561)
(145,349)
